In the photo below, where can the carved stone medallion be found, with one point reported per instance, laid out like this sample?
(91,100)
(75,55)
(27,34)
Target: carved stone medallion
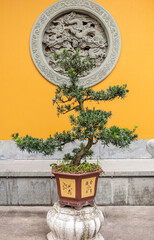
(71,31)
(73,24)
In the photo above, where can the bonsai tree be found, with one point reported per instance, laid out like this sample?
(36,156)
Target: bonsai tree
(88,125)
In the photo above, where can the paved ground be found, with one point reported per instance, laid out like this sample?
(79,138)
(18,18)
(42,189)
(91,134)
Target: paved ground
(121,223)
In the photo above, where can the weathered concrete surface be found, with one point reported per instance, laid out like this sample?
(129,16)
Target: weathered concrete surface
(125,191)
(128,223)
(28,191)
(121,223)
(150,147)
(9,151)
(125,182)
(111,167)
(110,191)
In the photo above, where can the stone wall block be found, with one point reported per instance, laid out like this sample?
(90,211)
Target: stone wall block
(34,191)
(3,191)
(150,147)
(54,194)
(136,150)
(104,191)
(141,191)
(13,196)
(120,191)
(9,150)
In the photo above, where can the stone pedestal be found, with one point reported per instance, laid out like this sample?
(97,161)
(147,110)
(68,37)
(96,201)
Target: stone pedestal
(70,224)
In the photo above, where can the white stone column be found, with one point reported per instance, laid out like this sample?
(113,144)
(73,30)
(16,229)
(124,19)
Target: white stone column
(70,224)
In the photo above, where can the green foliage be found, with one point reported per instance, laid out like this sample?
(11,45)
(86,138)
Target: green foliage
(82,168)
(88,125)
(120,137)
(73,65)
(88,122)
(31,144)
(72,97)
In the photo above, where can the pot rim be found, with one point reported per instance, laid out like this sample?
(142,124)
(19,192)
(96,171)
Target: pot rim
(76,174)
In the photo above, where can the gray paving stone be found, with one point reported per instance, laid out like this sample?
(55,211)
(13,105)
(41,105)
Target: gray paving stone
(121,223)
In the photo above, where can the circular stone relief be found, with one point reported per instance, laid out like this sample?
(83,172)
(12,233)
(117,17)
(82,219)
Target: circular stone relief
(73,31)
(73,24)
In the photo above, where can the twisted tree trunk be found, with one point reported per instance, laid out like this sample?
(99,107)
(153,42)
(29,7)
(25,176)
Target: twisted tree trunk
(80,154)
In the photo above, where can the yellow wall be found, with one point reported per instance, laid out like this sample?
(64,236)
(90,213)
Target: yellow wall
(25,97)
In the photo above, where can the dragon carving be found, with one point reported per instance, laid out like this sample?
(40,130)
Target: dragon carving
(71,31)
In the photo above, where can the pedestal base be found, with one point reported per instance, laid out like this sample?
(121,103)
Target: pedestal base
(50,237)
(70,224)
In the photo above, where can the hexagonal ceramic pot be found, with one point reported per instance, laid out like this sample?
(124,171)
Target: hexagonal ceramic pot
(77,190)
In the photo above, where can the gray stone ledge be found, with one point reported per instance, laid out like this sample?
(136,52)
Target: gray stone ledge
(125,182)
(136,150)
(111,167)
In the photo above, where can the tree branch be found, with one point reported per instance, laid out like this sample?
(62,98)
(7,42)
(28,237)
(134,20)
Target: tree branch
(83,151)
